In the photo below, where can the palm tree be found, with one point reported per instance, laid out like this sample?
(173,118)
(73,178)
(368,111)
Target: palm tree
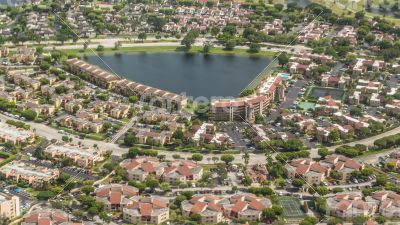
(246,158)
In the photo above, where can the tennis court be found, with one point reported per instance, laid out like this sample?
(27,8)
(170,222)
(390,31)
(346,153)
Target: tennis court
(291,207)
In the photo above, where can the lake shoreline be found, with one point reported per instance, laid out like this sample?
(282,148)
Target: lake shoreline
(191,74)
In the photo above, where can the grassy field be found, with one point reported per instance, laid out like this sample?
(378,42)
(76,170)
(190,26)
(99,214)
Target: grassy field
(160,49)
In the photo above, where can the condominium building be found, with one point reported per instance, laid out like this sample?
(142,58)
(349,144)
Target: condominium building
(84,157)
(15,135)
(48,217)
(388,203)
(9,206)
(25,172)
(146,210)
(350,205)
(182,171)
(116,196)
(173,172)
(247,108)
(214,209)
(125,87)
(140,168)
(311,171)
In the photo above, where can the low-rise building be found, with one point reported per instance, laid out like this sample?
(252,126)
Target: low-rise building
(31,174)
(214,209)
(311,171)
(48,217)
(388,203)
(350,205)
(84,157)
(342,164)
(146,210)
(116,196)
(327,106)
(140,168)
(15,135)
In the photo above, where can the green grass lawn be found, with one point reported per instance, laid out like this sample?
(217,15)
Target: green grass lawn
(160,49)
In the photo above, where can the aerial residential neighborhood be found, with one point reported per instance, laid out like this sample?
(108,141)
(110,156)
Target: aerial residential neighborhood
(200,112)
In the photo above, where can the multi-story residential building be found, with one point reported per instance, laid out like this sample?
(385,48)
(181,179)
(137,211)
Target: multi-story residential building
(342,164)
(323,133)
(247,108)
(366,92)
(350,33)
(84,157)
(15,135)
(311,171)
(24,172)
(41,110)
(214,209)
(327,105)
(393,108)
(81,125)
(206,133)
(125,87)
(140,168)
(350,205)
(334,81)
(173,172)
(313,31)
(48,217)
(146,210)
(116,196)
(388,203)
(362,66)
(149,136)
(182,171)
(24,55)
(9,206)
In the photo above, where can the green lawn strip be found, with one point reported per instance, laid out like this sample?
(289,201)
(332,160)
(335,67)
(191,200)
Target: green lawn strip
(160,49)
(7,158)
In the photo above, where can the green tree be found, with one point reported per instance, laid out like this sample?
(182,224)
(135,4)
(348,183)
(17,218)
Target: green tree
(227,158)
(197,157)
(283,59)
(133,99)
(29,114)
(129,140)
(142,36)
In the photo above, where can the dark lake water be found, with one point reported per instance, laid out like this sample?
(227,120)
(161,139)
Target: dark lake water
(194,74)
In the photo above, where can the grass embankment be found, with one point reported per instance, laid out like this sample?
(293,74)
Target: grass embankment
(161,49)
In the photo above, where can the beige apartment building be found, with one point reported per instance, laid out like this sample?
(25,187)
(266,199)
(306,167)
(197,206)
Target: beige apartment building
(84,157)
(9,206)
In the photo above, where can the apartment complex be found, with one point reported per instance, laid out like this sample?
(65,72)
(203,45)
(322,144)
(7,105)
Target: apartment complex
(9,206)
(316,172)
(247,108)
(350,205)
(115,196)
(48,217)
(388,203)
(173,172)
(146,210)
(84,157)
(125,87)
(214,209)
(15,135)
(31,174)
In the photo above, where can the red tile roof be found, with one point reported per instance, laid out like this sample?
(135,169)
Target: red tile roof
(146,209)
(239,206)
(115,197)
(198,207)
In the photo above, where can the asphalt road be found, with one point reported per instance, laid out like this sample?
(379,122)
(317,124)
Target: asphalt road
(51,133)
